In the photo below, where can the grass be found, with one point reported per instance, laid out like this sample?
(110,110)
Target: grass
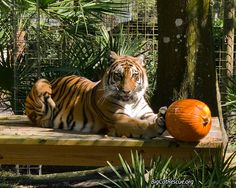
(232,136)
(199,172)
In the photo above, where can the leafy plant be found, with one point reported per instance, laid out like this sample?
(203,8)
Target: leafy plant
(199,172)
(61,38)
(13,69)
(231,96)
(230,110)
(215,173)
(70,25)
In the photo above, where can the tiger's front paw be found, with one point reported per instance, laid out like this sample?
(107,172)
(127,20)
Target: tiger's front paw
(160,121)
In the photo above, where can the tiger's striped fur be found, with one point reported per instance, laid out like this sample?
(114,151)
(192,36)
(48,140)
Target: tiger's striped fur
(115,104)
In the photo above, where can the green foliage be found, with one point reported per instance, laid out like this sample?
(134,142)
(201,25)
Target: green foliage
(199,172)
(217,32)
(230,108)
(231,96)
(145,11)
(12,61)
(61,38)
(122,43)
(216,173)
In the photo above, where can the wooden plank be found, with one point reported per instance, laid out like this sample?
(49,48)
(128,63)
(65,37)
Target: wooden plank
(21,143)
(87,156)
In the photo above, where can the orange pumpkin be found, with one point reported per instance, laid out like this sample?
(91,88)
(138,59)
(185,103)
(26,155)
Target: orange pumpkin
(188,120)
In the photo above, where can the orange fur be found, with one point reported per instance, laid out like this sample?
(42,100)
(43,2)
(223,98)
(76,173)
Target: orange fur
(115,104)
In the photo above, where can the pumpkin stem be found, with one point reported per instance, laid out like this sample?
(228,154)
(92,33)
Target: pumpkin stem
(205,121)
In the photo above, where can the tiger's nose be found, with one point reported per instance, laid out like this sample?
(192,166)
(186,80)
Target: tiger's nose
(126,91)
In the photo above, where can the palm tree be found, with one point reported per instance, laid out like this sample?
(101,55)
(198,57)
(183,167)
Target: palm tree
(49,38)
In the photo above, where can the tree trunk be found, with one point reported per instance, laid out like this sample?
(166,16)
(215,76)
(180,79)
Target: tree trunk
(229,13)
(186,67)
(228,66)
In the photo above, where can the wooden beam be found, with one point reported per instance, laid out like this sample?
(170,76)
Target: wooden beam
(21,143)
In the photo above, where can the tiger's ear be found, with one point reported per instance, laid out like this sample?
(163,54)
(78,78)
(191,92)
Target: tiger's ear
(140,59)
(113,56)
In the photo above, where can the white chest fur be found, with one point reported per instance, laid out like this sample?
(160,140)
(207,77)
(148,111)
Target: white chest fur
(129,110)
(137,110)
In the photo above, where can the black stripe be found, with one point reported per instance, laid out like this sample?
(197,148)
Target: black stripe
(136,104)
(61,126)
(72,126)
(66,95)
(96,109)
(85,118)
(115,104)
(46,104)
(30,96)
(62,94)
(122,113)
(143,107)
(70,117)
(63,85)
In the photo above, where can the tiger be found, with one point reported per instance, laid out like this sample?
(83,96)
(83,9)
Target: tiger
(115,106)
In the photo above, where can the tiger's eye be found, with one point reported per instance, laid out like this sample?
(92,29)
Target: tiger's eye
(117,76)
(135,75)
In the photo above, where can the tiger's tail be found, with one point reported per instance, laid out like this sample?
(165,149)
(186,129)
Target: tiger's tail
(39,105)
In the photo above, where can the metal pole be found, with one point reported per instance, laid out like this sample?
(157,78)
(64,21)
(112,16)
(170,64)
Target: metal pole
(38,41)
(14,60)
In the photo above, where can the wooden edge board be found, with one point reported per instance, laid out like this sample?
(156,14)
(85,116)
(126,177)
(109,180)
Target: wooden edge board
(21,143)
(25,133)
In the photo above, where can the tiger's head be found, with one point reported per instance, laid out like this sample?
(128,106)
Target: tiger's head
(126,79)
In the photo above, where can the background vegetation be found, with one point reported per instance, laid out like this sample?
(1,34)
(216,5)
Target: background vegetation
(198,172)
(50,38)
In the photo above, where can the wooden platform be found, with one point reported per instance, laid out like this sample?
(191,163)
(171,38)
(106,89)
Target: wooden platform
(21,143)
